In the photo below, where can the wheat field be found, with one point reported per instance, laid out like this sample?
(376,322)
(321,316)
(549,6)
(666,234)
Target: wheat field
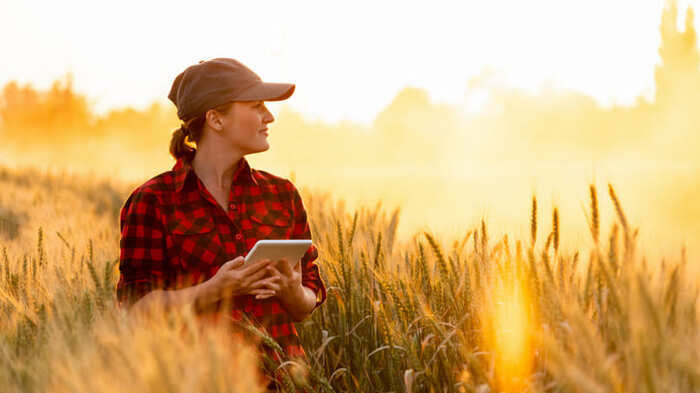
(469,314)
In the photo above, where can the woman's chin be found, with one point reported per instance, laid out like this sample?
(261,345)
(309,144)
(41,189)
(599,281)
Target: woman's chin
(259,148)
(264,147)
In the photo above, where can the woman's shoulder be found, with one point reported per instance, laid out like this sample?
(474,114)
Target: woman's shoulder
(272,182)
(162,182)
(153,188)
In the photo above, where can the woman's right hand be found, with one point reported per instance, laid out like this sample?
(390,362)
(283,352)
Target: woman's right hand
(234,278)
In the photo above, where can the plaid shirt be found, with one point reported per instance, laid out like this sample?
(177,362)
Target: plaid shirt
(175,234)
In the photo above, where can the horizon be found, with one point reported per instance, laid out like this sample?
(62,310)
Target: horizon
(104,67)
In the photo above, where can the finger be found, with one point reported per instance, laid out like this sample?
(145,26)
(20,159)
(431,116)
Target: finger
(273,271)
(273,278)
(285,267)
(272,287)
(253,277)
(264,281)
(250,278)
(273,283)
(262,291)
(265,296)
(233,263)
(255,266)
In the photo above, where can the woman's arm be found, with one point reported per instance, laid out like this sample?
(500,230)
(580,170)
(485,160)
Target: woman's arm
(310,272)
(232,279)
(297,299)
(142,260)
(197,296)
(305,289)
(301,304)
(143,267)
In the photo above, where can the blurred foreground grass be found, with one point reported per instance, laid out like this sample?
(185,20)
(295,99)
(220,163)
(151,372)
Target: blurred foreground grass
(470,314)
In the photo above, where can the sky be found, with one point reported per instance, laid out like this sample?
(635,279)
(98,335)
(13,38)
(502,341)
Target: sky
(348,59)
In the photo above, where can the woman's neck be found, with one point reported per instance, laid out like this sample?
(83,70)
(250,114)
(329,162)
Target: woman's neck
(215,168)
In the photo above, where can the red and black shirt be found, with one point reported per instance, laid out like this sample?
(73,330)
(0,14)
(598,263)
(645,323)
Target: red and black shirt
(175,234)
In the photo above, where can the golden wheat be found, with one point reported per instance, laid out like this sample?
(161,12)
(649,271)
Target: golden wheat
(396,318)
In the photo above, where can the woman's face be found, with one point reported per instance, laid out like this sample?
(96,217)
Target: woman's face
(245,126)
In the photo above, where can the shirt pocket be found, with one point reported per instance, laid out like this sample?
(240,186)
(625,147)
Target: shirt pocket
(272,221)
(196,244)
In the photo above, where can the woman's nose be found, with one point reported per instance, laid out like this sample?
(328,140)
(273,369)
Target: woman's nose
(268,118)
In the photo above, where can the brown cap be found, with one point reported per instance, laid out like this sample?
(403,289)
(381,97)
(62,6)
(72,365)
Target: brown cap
(214,82)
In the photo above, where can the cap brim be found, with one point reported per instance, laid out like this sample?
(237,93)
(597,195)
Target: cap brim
(267,92)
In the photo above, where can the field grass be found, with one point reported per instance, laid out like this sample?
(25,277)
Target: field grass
(471,314)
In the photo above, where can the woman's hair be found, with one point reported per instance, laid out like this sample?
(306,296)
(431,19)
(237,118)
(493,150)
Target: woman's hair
(192,130)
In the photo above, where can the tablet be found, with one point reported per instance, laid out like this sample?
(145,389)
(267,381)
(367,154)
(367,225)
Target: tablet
(293,250)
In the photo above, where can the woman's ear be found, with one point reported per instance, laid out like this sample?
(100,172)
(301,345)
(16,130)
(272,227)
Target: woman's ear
(214,120)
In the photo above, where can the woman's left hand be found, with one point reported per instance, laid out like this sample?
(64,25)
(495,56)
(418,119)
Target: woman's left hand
(285,280)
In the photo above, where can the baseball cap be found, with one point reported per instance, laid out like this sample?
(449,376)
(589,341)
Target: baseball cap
(214,82)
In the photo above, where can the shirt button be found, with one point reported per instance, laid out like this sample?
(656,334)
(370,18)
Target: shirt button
(239,236)
(233,206)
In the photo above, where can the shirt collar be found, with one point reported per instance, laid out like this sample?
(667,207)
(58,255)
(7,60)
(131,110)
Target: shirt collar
(184,169)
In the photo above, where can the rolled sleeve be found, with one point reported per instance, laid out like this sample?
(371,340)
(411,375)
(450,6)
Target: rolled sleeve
(310,273)
(142,265)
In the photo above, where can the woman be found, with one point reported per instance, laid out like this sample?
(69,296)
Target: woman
(185,232)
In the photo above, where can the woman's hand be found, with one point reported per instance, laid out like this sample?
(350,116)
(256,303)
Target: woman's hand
(285,280)
(298,300)
(234,278)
